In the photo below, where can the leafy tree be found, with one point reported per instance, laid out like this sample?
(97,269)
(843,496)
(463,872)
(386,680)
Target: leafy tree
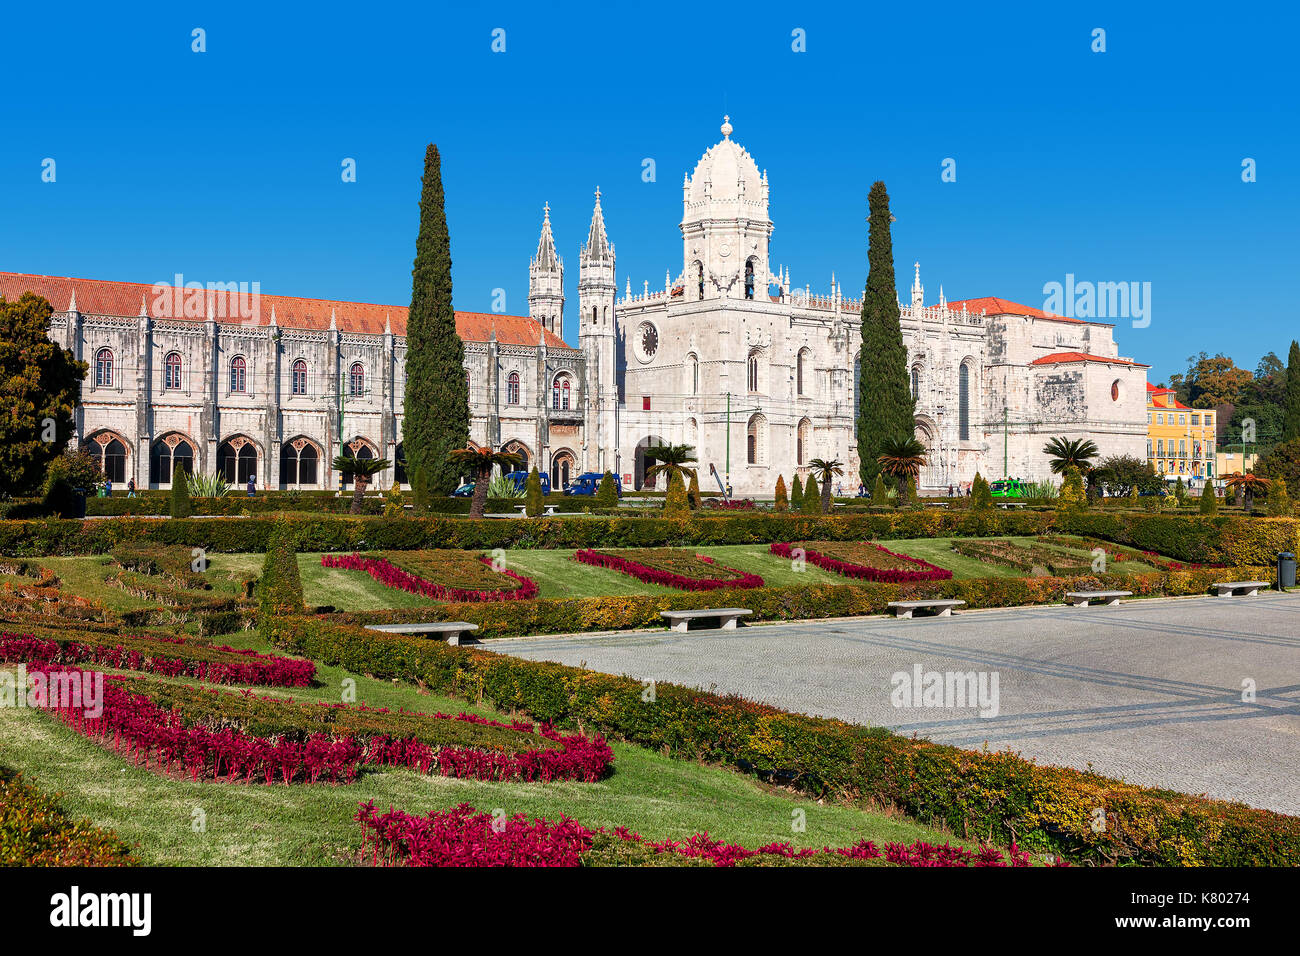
(676,502)
(1073,496)
(1291,419)
(670,460)
(902,460)
(1211,381)
(437,394)
(393,506)
(181,505)
(1279,502)
(607,493)
(812,497)
(1209,500)
(533,494)
(1119,473)
(362,470)
(1282,464)
(40,385)
(981,494)
(1180,491)
(826,470)
(480,462)
(886,408)
(796,494)
(782,502)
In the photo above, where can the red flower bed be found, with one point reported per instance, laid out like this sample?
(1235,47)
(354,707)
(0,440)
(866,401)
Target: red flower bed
(925,571)
(133,724)
(142,654)
(390,575)
(464,837)
(672,579)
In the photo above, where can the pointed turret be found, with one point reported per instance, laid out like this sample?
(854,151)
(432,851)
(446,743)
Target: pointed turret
(918,290)
(598,244)
(546,280)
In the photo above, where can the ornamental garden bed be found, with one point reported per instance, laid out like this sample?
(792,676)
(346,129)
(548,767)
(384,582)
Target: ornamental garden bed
(863,560)
(168,657)
(671,567)
(462,836)
(1116,554)
(1032,559)
(441,575)
(204,734)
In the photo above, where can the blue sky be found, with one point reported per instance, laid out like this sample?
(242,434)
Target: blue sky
(225,165)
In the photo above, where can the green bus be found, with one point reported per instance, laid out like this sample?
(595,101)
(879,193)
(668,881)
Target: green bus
(1008,488)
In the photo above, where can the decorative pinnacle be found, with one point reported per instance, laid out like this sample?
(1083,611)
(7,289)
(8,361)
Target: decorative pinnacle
(726,127)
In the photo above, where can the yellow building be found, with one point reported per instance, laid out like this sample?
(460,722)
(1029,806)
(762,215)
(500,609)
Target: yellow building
(1180,440)
(1229,462)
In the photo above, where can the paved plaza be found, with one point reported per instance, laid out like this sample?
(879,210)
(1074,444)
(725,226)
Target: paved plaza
(1150,691)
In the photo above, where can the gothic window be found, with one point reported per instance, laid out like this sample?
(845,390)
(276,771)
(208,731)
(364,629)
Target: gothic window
(916,383)
(399,464)
(693,371)
(749,279)
(237,460)
(753,370)
(512,389)
(361,451)
(699,277)
(801,362)
(963,402)
(357,380)
(563,466)
(756,440)
(560,393)
(299,376)
(165,454)
(172,370)
(238,374)
(104,368)
(593,315)
(299,463)
(803,441)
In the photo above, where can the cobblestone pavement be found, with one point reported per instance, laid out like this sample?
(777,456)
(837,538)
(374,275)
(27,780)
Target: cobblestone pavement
(1149,691)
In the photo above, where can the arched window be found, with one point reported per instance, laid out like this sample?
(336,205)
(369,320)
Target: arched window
(916,382)
(560,394)
(238,374)
(469,385)
(800,361)
(756,441)
(699,277)
(172,370)
(237,460)
(299,377)
(803,441)
(693,370)
(563,465)
(165,454)
(399,465)
(360,450)
(357,380)
(110,451)
(749,278)
(753,371)
(299,463)
(963,402)
(594,314)
(104,368)
(512,389)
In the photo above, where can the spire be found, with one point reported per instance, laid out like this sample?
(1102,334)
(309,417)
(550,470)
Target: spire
(72,306)
(144,311)
(546,256)
(334,324)
(273,322)
(918,291)
(388,321)
(597,242)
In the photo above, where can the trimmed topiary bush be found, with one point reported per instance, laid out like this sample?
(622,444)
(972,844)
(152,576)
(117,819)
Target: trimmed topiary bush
(796,494)
(533,494)
(693,492)
(1209,500)
(982,494)
(279,590)
(812,497)
(782,503)
(676,502)
(607,493)
(181,506)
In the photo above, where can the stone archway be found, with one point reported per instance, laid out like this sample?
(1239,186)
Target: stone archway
(643,461)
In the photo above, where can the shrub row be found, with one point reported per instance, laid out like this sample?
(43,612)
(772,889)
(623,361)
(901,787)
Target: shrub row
(672,576)
(1024,558)
(462,836)
(849,569)
(172,657)
(998,797)
(155,504)
(390,575)
(35,831)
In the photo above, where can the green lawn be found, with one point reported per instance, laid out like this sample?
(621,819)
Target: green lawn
(938,551)
(655,795)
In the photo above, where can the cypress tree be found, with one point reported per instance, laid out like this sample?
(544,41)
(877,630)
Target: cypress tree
(676,501)
(981,495)
(693,491)
(607,493)
(437,395)
(812,497)
(1209,500)
(533,494)
(880,491)
(796,494)
(181,506)
(782,502)
(1291,411)
(885,405)
(419,492)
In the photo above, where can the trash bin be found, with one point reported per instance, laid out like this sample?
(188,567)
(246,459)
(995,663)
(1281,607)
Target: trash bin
(1285,570)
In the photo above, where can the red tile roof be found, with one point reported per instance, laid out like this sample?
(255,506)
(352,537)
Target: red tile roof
(101,297)
(1061,358)
(1154,390)
(993,305)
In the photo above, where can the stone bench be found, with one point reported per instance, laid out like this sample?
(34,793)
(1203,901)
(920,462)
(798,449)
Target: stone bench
(680,620)
(547,510)
(1244,588)
(943,606)
(452,629)
(1083,598)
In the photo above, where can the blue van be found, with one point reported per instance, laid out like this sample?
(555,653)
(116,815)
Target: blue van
(588,484)
(520,480)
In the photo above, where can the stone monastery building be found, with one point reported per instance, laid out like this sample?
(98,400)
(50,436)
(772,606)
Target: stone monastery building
(728,356)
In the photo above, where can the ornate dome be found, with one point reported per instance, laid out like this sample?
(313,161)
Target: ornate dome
(726,182)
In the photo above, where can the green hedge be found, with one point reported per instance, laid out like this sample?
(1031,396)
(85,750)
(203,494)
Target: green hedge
(1190,538)
(997,796)
(157,504)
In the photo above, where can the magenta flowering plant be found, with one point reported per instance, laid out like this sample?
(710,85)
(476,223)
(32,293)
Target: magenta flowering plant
(924,571)
(390,575)
(670,578)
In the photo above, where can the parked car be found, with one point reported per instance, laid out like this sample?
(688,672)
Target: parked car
(588,484)
(520,480)
(464,491)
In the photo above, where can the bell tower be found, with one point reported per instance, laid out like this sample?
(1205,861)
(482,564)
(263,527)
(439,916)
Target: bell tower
(598,338)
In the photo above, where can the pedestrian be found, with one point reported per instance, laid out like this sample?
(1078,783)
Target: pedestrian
(949,489)
(130,488)
(108,487)
(862,490)
(252,485)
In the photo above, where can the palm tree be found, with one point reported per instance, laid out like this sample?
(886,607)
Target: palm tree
(1078,452)
(825,471)
(670,460)
(481,461)
(902,459)
(1247,484)
(362,470)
